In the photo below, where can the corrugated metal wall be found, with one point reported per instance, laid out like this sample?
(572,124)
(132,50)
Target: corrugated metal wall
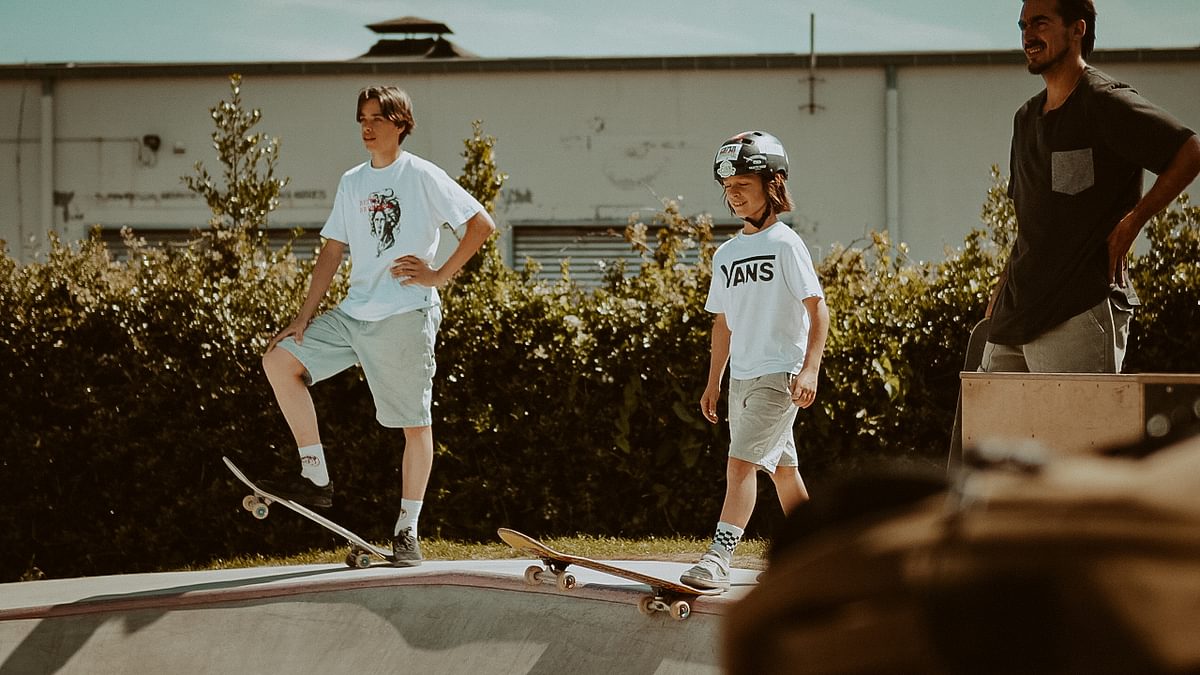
(589,249)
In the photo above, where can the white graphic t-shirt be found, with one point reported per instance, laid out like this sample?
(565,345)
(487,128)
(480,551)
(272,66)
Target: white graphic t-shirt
(760,282)
(384,214)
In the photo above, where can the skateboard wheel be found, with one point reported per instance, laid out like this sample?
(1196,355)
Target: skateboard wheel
(566,581)
(532,575)
(249,502)
(261,510)
(680,610)
(358,558)
(646,606)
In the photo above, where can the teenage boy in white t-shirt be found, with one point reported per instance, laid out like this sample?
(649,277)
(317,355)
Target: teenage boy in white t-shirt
(388,213)
(770,327)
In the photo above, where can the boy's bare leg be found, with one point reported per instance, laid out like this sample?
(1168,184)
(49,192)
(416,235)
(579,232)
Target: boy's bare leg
(790,488)
(418,462)
(286,375)
(741,492)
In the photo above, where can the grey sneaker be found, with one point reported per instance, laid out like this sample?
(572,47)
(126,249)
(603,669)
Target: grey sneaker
(711,572)
(406,550)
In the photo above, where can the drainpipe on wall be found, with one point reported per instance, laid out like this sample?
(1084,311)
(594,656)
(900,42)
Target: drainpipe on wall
(892,155)
(46,185)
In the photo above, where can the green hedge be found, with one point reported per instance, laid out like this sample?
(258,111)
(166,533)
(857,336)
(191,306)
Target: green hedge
(558,409)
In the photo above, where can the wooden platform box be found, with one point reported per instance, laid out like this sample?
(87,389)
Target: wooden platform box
(1076,413)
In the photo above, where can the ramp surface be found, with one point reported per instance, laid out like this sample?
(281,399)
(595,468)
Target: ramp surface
(452,617)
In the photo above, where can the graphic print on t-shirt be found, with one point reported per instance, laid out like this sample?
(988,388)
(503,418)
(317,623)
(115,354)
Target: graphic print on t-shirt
(759,268)
(384,210)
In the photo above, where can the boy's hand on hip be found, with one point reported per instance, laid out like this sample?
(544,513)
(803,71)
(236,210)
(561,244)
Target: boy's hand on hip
(416,270)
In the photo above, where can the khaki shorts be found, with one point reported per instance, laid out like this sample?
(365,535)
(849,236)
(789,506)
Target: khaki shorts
(761,415)
(396,355)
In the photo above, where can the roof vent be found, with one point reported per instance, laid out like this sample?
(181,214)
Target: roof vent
(416,44)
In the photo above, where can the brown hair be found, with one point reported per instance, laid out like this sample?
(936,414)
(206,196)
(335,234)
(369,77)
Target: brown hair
(393,102)
(779,198)
(778,195)
(1080,10)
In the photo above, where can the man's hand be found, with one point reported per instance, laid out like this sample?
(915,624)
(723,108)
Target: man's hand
(1119,242)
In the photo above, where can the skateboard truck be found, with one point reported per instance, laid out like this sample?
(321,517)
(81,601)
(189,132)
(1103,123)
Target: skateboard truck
(678,609)
(551,573)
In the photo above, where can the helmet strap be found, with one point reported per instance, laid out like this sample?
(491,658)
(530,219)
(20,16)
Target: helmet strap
(757,223)
(767,212)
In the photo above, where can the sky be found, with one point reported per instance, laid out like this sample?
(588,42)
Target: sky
(174,31)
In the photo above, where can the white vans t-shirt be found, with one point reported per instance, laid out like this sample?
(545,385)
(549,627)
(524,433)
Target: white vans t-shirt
(759,283)
(383,214)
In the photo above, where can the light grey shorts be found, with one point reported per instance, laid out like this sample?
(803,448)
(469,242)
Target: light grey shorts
(761,415)
(396,355)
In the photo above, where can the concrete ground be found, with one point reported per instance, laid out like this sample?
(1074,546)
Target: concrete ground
(475,617)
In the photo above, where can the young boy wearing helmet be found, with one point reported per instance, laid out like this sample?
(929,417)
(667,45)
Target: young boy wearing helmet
(770,328)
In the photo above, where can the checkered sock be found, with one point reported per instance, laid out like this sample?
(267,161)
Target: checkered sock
(410,510)
(726,539)
(312,464)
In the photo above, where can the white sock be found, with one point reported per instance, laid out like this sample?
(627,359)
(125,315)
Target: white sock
(410,510)
(727,537)
(312,464)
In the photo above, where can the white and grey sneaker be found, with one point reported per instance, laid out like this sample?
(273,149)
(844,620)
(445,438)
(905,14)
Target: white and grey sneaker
(711,572)
(406,550)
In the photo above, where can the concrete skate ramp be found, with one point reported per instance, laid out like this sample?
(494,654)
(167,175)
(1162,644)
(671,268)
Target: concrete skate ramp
(343,622)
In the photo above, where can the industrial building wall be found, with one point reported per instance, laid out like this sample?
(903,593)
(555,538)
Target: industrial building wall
(582,147)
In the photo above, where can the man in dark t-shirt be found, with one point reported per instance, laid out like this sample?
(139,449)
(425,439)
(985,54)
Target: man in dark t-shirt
(1079,148)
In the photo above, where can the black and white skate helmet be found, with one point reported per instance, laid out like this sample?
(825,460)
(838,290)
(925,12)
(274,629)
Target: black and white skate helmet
(750,152)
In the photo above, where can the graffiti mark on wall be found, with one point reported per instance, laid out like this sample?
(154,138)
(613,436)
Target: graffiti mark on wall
(63,200)
(635,164)
(512,196)
(176,197)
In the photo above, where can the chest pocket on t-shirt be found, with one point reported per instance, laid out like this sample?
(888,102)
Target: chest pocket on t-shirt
(1072,171)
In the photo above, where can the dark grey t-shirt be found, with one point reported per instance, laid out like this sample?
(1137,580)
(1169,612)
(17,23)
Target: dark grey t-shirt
(1076,171)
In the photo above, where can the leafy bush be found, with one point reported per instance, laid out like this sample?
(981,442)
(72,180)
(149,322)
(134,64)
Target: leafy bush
(122,382)
(559,409)
(1167,278)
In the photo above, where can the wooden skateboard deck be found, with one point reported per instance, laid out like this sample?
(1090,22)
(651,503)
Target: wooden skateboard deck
(666,596)
(259,504)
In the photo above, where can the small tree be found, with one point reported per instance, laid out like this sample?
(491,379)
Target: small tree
(483,180)
(249,192)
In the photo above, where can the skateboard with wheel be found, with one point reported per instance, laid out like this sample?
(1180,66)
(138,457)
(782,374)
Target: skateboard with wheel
(666,596)
(259,505)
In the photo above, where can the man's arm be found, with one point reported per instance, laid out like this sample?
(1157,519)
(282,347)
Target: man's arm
(326,266)
(716,368)
(1182,170)
(479,228)
(804,386)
